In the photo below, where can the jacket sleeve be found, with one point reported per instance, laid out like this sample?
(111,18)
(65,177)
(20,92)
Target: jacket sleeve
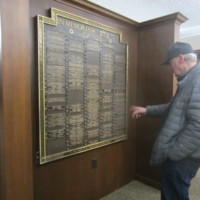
(157,110)
(188,139)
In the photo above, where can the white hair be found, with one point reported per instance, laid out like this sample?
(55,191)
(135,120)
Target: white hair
(191,57)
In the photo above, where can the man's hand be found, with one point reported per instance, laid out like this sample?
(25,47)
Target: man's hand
(138,111)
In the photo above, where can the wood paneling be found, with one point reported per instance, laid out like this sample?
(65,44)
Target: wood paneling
(155,86)
(15,73)
(2,169)
(73,177)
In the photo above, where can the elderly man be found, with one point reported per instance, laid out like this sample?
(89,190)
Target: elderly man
(177,147)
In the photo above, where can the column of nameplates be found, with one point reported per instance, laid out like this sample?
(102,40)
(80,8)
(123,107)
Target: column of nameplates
(92,98)
(107,90)
(66,91)
(120,90)
(76,90)
(55,90)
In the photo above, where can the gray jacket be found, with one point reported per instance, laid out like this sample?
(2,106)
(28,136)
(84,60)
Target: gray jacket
(180,134)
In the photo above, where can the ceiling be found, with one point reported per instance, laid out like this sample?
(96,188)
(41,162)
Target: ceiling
(144,10)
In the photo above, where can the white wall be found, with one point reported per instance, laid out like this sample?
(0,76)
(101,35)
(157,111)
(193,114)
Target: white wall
(194,41)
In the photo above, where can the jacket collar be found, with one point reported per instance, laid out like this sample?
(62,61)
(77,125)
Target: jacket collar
(181,80)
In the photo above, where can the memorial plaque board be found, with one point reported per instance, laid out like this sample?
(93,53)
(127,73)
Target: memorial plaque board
(82,77)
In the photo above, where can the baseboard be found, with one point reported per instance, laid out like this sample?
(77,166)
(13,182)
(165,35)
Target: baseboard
(147,181)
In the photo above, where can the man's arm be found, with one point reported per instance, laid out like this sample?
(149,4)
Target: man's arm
(152,111)
(157,110)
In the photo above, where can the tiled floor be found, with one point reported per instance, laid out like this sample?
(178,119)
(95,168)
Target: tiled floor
(139,191)
(134,191)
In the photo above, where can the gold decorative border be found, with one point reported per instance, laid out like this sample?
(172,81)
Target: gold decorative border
(41,20)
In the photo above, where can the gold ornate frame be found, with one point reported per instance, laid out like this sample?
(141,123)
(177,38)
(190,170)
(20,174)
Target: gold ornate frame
(42,22)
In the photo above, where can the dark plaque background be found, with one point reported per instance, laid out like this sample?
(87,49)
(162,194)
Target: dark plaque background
(82,85)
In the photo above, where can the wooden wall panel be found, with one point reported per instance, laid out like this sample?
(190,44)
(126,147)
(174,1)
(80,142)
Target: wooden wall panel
(155,86)
(2,169)
(16,155)
(73,177)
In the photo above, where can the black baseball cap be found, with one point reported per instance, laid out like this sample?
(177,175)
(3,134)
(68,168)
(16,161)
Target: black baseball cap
(176,49)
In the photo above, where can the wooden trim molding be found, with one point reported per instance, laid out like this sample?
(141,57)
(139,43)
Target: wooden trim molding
(147,181)
(99,10)
(15,102)
(2,167)
(197,51)
(198,54)
(176,17)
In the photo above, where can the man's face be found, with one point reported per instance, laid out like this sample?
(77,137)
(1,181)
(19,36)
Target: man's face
(177,66)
